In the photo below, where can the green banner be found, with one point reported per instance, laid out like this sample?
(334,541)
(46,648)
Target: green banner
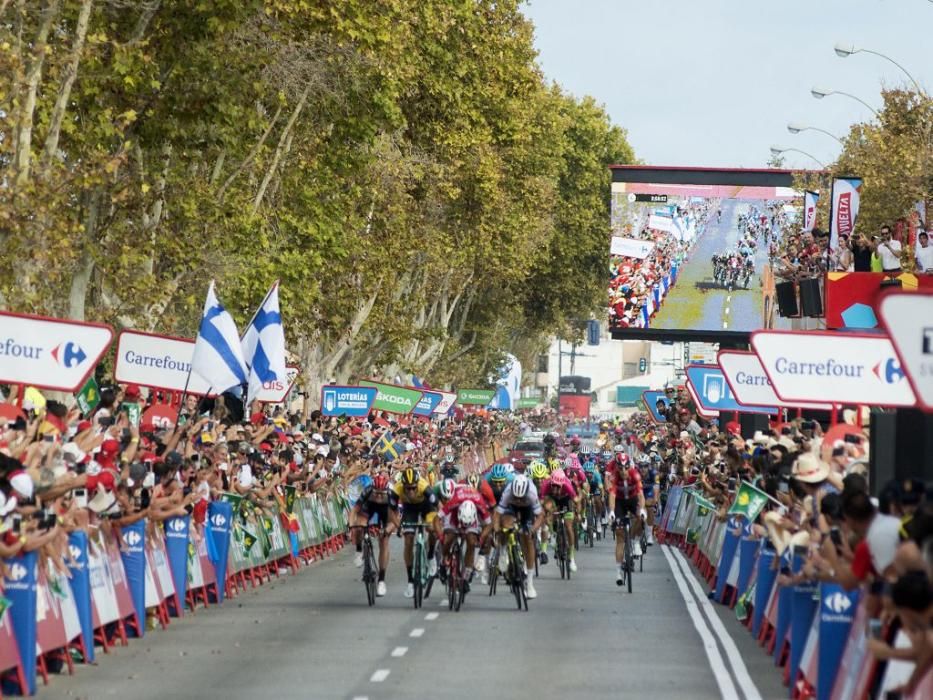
(89,396)
(749,501)
(394,399)
(529,402)
(475,397)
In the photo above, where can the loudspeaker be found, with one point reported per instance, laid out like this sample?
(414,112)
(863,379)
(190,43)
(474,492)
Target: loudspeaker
(811,298)
(882,444)
(787,299)
(750,422)
(913,452)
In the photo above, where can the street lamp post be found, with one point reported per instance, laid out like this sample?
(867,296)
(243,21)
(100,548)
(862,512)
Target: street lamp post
(796,128)
(778,150)
(821,92)
(844,50)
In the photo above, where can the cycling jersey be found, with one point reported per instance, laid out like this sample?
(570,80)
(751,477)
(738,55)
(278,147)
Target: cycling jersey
(421,492)
(467,494)
(595,480)
(627,483)
(497,488)
(558,492)
(651,483)
(510,504)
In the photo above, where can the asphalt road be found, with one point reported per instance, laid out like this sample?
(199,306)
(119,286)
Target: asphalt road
(312,636)
(697,301)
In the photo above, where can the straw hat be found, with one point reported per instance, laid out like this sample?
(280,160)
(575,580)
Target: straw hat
(810,469)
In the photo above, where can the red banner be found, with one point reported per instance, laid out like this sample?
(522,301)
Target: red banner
(851,296)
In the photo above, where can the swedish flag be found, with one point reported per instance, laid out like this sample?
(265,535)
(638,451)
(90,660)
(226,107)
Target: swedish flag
(386,447)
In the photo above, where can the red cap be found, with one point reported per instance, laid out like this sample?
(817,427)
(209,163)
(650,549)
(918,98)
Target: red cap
(733,427)
(131,391)
(84,425)
(105,478)
(109,447)
(265,447)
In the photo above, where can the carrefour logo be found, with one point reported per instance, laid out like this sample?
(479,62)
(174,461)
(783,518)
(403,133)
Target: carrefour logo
(68,354)
(218,520)
(891,371)
(75,552)
(17,572)
(132,538)
(837,602)
(177,525)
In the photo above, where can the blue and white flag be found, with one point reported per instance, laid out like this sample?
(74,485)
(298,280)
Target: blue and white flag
(217,356)
(264,344)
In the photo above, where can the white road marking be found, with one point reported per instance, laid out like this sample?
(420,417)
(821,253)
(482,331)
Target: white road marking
(431,616)
(732,651)
(361,697)
(716,663)
(728,297)
(379,675)
(417,632)
(725,325)
(441,603)
(399,651)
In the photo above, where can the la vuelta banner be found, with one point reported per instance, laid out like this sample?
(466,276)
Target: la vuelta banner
(810,200)
(843,208)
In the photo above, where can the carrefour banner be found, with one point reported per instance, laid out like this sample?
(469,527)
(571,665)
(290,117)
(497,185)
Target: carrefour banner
(810,200)
(176,546)
(133,553)
(49,353)
(219,523)
(843,208)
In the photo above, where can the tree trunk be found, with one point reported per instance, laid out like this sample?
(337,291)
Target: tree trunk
(77,297)
(279,150)
(25,121)
(64,91)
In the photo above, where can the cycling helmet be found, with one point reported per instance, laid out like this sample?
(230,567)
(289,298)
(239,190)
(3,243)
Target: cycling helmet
(538,471)
(446,489)
(509,468)
(607,455)
(549,439)
(574,441)
(473,480)
(410,477)
(520,486)
(589,467)
(381,481)
(466,514)
(570,463)
(535,462)
(619,449)
(558,476)
(619,431)
(498,473)
(586,450)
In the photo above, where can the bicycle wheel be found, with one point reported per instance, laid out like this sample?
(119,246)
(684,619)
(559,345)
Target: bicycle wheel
(537,555)
(629,561)
(560,549)
(453,575)
(430,579)
(417,571)
(493,570)
(369,570)
(644,551)
(517,575)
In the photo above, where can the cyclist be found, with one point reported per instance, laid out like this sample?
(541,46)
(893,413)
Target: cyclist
(539,474)
(467,512)
(595,482)
(559,494)
(520,505)
(449,468)
(626,497)
(651,487)
(417,500)
(496,481)
(377,500)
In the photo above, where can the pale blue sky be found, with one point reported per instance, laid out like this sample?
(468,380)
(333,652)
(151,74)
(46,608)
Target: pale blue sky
(715,82)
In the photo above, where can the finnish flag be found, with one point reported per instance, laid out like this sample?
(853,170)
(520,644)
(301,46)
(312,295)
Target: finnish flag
(217,357)
(264,344)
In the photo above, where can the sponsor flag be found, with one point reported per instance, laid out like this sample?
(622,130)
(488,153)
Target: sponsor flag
(844,206)
(249,539)
(264,344)
(218,356)
(89,396)
(810,200)
(291,493)
(749,502)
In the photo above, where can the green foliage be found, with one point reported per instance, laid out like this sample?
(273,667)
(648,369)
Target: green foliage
(426,199)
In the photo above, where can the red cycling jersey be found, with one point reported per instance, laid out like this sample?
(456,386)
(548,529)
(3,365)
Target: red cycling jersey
(626,481)
(466,493)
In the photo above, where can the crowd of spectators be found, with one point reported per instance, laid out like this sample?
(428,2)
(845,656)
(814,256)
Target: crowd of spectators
(632,280)
(821,503)
(62,471)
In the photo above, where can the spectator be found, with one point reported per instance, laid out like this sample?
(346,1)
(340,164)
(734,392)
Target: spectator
(924,253)
(888,250)
(861,254)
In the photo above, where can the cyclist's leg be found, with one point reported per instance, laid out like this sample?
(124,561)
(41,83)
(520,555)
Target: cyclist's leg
(391,527)
(471,537)
(507,521)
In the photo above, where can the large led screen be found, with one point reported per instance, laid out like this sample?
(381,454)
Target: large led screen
(697,259)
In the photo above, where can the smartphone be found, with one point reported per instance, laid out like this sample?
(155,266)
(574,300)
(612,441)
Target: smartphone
(80,496)
(854,439)
(874,628)
(835,536)
(49,438)
(783,486)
